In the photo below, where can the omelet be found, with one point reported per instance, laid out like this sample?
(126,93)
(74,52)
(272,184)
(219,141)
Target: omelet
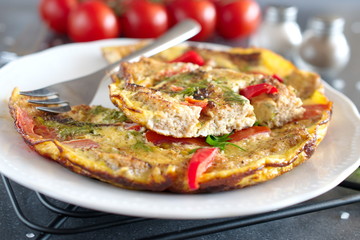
(280,128)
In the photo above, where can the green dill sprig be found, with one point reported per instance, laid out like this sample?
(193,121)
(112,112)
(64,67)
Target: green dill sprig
(221,141)
(231,96)
(218,141)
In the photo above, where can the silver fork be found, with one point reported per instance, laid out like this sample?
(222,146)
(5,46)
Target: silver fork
(82,90)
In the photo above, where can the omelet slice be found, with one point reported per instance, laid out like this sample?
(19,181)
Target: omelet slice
(199,101)
(188,104)
(248,60)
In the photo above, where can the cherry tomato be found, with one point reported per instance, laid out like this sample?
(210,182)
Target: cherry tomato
(55,13)
(202,11)
(92,20)
(238,18)
(144,19)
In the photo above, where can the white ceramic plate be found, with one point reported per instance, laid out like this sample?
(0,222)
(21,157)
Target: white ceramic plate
(335,159)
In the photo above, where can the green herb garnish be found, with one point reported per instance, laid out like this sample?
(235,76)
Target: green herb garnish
(115,116)
(228,93)
(231,96)
(108,115)
(221,141)
(68,127)
(70,130)
(97,110)
(142,146)
(256,123)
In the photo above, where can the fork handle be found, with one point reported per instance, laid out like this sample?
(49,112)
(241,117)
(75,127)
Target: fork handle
(178,34)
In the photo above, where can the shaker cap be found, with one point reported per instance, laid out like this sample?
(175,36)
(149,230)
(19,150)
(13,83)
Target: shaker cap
(281,13)
(327,24)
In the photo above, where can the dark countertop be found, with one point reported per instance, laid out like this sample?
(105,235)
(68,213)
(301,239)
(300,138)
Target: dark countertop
(17,17)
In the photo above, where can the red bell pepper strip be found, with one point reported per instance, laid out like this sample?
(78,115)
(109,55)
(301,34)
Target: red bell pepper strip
(255,90)
(158,139)
(175,88)
(195,102)
(278,78)
(190,57)
(247,132)
(199,163)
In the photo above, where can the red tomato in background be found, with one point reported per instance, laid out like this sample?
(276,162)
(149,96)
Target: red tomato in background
(92,20)
(202,11)
(55,13)
(144,19)
(237,18)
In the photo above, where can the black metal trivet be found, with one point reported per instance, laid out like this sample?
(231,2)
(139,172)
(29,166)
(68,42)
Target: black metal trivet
(63,213)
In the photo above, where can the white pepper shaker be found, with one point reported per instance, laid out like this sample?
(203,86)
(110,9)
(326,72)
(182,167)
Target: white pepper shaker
(324,49)
(279,31)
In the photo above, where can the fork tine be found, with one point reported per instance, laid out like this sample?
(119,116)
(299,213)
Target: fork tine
(49,101)
(60,109)
(42,92)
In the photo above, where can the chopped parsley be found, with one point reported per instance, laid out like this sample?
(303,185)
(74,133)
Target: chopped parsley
(108,115)
(68,127)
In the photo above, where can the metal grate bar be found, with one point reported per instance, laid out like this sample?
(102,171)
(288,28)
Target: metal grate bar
(57,222)
(351,185)
(256,219)
(54,227)
(68,212)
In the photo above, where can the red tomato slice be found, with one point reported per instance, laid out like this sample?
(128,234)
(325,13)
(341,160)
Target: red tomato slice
(132,126)
(315,110)
(25,122)
(199,163)
(190,57)
(82,143)
(245,133)
(158,139)
(255,90)
(44,131)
